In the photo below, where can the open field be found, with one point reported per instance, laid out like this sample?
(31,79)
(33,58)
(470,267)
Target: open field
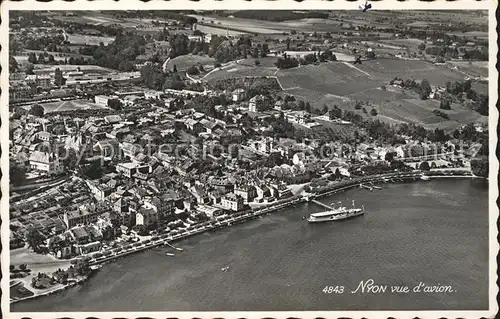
(219,30)
(342,78)
(242,25)
(98,18)
(246,69)
(270,27)
(185,61)
(267,62)
(471,34)
(88,39)
(23,59)
(473,68)
(342,84)
(398,44)
(70,105)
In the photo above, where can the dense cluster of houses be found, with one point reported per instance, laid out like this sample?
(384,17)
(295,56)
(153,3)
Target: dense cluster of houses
(160,164)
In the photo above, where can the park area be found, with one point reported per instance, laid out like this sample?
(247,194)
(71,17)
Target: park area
(185,61)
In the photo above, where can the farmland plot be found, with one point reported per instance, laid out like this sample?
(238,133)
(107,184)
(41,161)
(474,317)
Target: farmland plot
(332,78)
(473,68)
(387,69)
(378,95)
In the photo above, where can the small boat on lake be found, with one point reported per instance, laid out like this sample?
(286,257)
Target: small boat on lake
(170,254)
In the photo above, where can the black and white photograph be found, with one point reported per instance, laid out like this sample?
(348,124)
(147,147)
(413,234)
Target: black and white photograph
(235,160)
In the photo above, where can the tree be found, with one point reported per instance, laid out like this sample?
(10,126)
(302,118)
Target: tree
(17,173)
(32,58)
(93,170)
(23,267)
(82,267)
(421,46)
(59,80)
(481,104)
(308,107)
(193,70)
(445,104)
(37,110)
(338,175)
(12,268)
(373,112)
(13,66)
(389,156)
(34,240)
(324,109)
(41,58)
(425,89)
(331,114)
(69,157)
(115,104)
(301,105)
(173,81)
(424,166)
(29,68)
(152,77)
(480,166)
(257,62)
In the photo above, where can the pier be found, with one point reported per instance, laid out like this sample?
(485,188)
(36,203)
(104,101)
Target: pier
(321,204)
(366,186)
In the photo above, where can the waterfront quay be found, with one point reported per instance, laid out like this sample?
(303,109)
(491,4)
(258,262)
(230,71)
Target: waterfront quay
(220,222)
(228,220)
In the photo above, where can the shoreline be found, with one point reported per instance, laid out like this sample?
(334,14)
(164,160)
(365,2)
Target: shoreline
(164,239)
(49,291)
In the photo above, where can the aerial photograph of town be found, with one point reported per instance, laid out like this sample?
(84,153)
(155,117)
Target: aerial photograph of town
(248,160)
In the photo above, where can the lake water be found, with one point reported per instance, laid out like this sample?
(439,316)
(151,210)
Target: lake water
(433,232)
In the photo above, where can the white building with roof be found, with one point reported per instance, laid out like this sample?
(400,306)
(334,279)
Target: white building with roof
(46,162)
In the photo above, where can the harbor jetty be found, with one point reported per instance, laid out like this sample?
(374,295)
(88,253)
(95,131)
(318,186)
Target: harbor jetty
(317,202)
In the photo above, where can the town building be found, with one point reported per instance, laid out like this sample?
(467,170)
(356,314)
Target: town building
(44,82)
(46,162)
(247,192)
(102,100)
(20,92)
(127,169)
(80,216)
(239,95)
(232,202)
(259,103)
(146,216)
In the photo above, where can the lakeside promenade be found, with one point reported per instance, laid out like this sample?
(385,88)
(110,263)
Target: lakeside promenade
(228,220)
